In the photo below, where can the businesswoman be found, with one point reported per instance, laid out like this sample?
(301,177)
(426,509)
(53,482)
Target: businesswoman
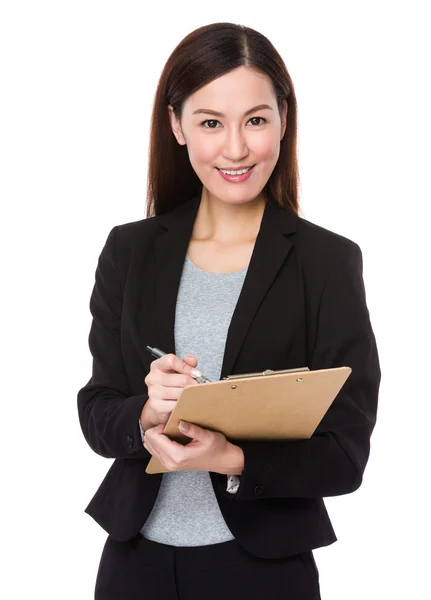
(222,275)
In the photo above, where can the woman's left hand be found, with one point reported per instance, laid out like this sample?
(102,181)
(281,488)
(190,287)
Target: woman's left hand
(207,451)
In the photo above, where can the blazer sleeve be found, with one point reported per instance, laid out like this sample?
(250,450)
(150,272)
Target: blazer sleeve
(108,414)
(333,460)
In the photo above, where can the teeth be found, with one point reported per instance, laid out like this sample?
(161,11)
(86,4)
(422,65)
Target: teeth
(235,172)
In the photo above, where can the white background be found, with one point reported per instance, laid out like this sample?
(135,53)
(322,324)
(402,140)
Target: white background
(78,81)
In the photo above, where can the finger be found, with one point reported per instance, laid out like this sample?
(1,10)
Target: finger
(151,430)
(190,359)
(162,443)
(171,361)
(175,380)
(152,435)
(165,391)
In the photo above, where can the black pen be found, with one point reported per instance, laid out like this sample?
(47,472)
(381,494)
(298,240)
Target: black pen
(159,353)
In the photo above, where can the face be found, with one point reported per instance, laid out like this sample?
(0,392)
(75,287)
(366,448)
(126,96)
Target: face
(232,123)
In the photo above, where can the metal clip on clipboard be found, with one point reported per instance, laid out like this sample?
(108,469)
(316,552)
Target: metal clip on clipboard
(267,372)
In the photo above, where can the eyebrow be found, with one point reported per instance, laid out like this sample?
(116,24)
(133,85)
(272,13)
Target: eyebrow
(219,114)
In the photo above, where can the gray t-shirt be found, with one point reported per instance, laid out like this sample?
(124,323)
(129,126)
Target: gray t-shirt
(186,511)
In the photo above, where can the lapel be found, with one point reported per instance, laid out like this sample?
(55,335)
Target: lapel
(271,249)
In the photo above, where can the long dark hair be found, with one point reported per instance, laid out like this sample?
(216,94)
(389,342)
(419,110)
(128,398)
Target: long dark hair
(202,56)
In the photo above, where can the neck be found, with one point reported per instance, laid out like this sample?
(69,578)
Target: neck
(228,223)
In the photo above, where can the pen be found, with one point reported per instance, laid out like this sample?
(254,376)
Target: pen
(159,353)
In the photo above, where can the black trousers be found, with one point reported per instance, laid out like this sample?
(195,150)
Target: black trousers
(142,569)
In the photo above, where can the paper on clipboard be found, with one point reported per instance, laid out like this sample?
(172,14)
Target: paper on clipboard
(271,405)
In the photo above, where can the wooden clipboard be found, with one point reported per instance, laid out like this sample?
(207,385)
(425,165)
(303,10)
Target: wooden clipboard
(268,405)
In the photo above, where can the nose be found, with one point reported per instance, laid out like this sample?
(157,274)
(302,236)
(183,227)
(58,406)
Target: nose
(235,147)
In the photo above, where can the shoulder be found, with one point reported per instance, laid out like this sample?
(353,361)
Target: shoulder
(123,238)
(127,234)
(143,232)
(325,249)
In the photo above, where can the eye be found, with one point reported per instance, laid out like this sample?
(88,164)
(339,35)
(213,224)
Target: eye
(203,124)
(261,118)
(210,121)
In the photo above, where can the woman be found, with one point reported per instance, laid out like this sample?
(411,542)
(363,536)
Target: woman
(225,274)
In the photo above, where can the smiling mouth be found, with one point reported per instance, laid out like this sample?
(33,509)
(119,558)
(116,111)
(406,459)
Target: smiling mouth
(235,170)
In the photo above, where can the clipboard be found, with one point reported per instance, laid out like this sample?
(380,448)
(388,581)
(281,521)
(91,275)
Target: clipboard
(268,405)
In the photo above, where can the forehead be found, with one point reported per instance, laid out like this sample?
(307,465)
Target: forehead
(237,90)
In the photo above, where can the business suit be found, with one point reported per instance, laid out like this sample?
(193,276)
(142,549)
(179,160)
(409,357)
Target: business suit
(302,304)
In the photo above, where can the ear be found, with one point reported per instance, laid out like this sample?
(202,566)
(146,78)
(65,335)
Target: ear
(176,126)
(283,117)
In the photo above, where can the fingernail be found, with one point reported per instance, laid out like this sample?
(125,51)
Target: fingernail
(196,373)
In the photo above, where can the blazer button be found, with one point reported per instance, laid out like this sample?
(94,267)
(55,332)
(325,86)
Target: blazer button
(130,441)
(258,490)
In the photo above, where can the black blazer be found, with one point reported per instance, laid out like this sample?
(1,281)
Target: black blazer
(302,304)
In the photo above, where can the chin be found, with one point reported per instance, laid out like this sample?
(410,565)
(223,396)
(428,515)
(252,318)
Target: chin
(236,200)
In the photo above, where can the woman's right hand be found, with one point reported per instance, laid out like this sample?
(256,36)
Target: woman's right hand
(167,378)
